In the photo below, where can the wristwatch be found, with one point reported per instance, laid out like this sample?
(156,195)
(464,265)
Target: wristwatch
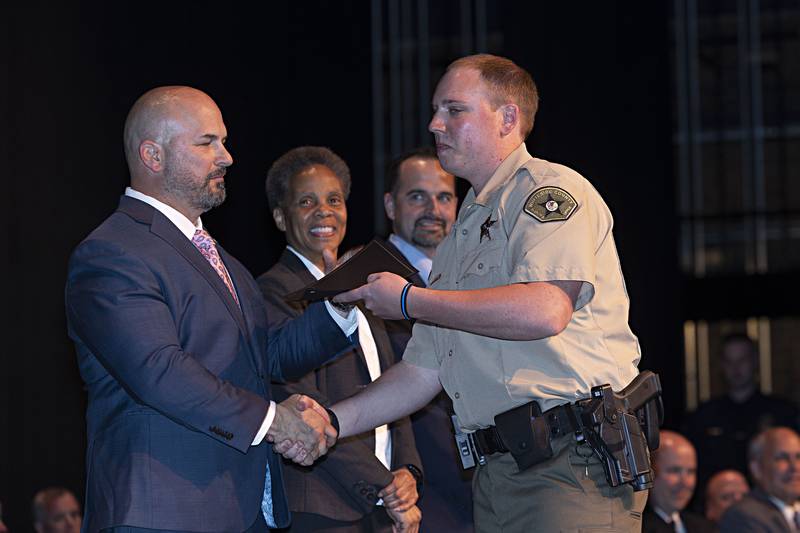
(417,473)
(345,308)
(333,417)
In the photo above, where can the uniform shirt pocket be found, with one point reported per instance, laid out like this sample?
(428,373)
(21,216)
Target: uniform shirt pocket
(482,268)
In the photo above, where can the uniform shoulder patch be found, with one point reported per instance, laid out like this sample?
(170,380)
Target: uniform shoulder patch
(547,204)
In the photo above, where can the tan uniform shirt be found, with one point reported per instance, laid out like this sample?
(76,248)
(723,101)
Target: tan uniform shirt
(495,242)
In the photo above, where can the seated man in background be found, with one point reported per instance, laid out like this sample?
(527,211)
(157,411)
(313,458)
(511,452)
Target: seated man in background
(3,528)
(723,490)
(774,505)
(56,510)
(675,465)
(307,188)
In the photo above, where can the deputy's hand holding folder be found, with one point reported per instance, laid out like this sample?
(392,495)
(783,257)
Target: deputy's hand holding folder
(383,294)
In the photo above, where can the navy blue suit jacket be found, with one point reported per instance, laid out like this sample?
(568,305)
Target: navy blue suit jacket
(178,377)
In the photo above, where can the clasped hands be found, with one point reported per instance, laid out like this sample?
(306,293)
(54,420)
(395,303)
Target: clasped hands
(301,430)
(400,498)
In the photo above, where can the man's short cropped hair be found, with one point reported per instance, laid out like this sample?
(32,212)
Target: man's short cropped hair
(393,171)
(508,83)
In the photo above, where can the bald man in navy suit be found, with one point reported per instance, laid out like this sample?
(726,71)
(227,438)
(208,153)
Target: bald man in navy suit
(171,335)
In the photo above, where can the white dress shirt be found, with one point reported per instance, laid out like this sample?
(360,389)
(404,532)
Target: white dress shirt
(383,439)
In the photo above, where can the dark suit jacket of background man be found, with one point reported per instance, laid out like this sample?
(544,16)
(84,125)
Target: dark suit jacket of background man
(693,522)
(447,505)
(178,377)
(754,513)
(344,484)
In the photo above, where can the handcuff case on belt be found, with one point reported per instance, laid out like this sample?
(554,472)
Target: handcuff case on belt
(526,434)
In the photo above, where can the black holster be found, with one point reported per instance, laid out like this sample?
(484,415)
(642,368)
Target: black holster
(622,427)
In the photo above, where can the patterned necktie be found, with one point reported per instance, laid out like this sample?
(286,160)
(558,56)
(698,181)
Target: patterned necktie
(267,508)
(203,241)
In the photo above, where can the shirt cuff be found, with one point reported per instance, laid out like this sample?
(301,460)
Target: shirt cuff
(262,431)
(347,324)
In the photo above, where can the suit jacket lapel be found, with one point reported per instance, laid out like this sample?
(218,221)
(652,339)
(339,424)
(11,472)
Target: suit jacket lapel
(777,517)
(252,310)
(238,311)
(416,279)
(166,230)
(295,266)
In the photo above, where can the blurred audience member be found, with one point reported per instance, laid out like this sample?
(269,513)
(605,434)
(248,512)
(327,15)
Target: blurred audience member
(3,528)
(721,427)
(56,510)
(774,505)
(725,488)
(675,464)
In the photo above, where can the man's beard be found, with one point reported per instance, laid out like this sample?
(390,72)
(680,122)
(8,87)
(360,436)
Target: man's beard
(428,239)
(201,196)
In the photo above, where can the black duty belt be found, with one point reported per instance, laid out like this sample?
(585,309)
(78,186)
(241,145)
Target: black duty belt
(562,419)
(621,428)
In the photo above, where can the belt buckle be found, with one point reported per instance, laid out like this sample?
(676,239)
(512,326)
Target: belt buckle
(477,449)
(467,446)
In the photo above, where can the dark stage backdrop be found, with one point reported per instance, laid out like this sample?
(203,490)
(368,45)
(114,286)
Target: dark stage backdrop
(294,74)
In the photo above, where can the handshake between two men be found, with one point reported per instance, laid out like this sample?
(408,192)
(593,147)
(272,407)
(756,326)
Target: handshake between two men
(302,432)
(299,433)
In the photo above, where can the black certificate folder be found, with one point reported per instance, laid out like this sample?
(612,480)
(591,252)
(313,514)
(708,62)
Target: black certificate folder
(374,257)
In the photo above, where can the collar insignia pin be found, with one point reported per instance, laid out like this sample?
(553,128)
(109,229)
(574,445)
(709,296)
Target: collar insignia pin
(488,223)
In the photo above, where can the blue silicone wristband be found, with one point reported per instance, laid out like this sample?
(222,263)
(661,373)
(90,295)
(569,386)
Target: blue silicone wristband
(403,299)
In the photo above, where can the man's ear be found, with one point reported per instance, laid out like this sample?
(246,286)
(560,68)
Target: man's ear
(510,115)
(152,155)
(755,470)
(280,221)
(388,204)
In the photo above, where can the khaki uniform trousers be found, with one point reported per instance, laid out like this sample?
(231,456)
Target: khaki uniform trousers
(567,493)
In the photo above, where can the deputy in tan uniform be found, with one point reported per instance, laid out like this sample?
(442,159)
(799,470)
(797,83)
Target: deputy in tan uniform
(525,301)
